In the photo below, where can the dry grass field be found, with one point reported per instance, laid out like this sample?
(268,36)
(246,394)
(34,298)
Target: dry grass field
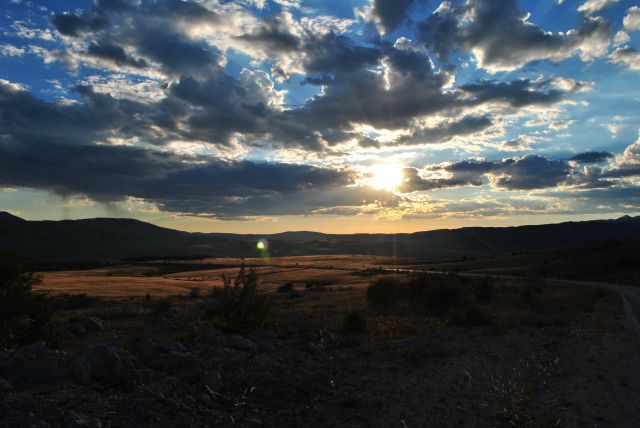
(173,278)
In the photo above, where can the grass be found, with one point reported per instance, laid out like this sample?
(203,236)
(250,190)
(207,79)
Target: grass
(453,301)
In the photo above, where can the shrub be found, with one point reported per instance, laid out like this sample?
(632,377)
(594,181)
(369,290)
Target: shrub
(440,294)
(354,323)
(243,306)
(24,315)
(484,289)
(531,288)
(195,293)
(383,294)
(287,287)
(162,306)
(467,315)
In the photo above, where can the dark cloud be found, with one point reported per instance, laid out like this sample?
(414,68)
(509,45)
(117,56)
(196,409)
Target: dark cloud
(518,93)
(273,35)
(412,182)
(523,173)
(501,37)
(465,126)
(391,13)
(55,147)
(115,53)
(373,83)
(530,172)
(69,24)
(334,53)
(151,29)
(592,157)
(439,31)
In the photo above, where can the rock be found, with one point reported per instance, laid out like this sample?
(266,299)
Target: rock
(78,330)
(33,348)
(92,324)
(77,420)
(270,335)
(211,333)
(266,345)
(314,348)
(555,330)
(214,338)
(173,346)
(23,369)
(5,385)
(242,344)
(100,363)
(146,347)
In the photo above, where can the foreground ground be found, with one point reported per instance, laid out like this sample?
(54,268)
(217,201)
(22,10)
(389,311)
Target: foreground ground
(564,356)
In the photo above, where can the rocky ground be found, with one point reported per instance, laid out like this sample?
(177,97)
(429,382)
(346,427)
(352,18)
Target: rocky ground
(586,374)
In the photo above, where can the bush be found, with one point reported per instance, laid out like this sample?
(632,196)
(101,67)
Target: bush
(354,323)
(467,315)
(440,294)
(288,287)
(484,289)
(24,315)
(195,293)
(383,294)
(531,288)
(241,307)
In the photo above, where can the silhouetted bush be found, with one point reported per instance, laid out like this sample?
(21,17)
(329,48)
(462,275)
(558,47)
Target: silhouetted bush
(483,289)
(287,287)
(440,293)
(354,323)
(162,306)
(531,288)
(243,306)
(383,294)
(467,315)
(24,315)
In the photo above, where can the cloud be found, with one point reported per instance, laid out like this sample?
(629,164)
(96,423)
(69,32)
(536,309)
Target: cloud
(519,173)
(114,53)
(501,37)
(389,14)
(591,7)
(627,56)
(10,50)
(631,21)
(621,38)
(591,157)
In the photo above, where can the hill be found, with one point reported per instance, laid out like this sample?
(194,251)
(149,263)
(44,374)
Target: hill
(108,239)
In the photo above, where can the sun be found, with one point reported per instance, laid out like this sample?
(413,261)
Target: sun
(386,176)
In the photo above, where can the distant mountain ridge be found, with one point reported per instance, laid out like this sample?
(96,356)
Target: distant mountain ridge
(111,239)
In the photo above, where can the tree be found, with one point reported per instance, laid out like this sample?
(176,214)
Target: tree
(24,315)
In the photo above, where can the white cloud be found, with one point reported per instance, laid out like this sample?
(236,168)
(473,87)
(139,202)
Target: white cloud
(626,56)
(632,20)
(621,38)
(9,50)
(592,6)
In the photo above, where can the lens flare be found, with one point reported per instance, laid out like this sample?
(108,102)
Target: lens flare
(262,245)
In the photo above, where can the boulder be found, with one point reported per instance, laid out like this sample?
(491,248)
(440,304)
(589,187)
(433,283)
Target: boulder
(77,420)
(173,346)
(33,348)
(242,344)
(5,385)
(92,324)
(146,347)
(21,368)
(99,363)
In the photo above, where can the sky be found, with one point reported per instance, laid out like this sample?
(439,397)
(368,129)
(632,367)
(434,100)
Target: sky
(340,116)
